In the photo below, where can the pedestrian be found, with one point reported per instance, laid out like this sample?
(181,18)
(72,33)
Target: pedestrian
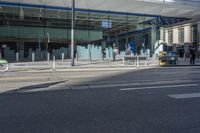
(192,56)
(128,51)
(198,52)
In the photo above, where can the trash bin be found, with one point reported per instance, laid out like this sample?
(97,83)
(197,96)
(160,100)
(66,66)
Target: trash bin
(172,57)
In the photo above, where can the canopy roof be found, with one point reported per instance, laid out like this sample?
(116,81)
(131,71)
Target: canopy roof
(172,8)
(126,14)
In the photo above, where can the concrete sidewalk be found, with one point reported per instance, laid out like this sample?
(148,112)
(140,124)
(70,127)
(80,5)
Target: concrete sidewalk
(26,73)
(79,66)
(85,65)
(186,62)
(33,73)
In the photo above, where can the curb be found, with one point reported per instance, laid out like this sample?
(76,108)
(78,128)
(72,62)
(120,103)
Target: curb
(7,79)
(67,69)
(29,79)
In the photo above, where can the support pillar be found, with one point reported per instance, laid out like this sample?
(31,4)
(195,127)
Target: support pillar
(187,34)
(153,38)
(175,36)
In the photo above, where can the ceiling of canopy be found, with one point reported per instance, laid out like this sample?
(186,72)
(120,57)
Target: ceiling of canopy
(124,14)
(172,8)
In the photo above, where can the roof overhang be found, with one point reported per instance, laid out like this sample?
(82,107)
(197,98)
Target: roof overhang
(171,8)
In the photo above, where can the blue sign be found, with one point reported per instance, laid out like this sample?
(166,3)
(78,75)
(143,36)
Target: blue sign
(131,45)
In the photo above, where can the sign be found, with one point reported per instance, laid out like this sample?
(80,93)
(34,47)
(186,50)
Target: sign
(132,46)
(106,23)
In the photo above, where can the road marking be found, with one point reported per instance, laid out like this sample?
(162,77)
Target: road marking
(185,96)
(155,87)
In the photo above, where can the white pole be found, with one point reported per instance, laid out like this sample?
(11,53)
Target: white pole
(17,56)
(146,61)
(63,57)
(123,60)
(33,57)
(54,63)
(48,57)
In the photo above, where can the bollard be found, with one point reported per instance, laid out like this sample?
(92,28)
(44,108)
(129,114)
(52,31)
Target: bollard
(54,63)
(123,60)
(146,61)
(48,57)
(63,57)
(137,61)
(33,57)
(17,57)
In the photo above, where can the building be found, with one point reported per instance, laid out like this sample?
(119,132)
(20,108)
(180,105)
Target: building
(40,27)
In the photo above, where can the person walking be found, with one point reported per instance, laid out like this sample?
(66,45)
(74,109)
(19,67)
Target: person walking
(198,52)
(192,56)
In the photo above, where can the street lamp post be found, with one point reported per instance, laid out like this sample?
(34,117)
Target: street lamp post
(72,32)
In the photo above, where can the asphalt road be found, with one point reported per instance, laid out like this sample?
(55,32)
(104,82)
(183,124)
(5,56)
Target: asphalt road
(161,100)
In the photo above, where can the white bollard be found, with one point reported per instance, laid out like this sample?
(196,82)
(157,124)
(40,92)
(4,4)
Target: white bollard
(123,60)
(54,63)
(146,61)
(63,57)
(17,57)
(33,57)
(137,61)
(48,57)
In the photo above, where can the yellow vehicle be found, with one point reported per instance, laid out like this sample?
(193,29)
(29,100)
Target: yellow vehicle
(163,58)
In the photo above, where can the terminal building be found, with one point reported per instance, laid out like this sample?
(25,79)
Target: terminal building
(101,26)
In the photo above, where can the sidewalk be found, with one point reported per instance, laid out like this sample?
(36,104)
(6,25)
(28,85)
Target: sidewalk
(183,62)
(83,65)
(33,73)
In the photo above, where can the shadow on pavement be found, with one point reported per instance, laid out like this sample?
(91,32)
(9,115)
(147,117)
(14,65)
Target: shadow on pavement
(32,87)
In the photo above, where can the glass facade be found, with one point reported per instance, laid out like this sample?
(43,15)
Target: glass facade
(41,29)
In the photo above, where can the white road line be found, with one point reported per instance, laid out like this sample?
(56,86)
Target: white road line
(154,87)
(185,96)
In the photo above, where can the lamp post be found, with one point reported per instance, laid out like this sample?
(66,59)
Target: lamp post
(72,33)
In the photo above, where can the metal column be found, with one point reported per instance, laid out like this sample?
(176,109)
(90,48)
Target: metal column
(72,33)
